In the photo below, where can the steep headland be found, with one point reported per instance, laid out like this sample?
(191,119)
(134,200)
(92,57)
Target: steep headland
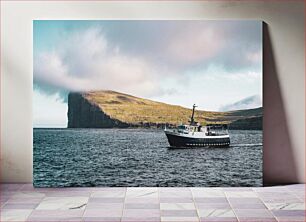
(108,109)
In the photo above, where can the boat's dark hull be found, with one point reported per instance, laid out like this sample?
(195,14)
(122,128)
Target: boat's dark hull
(180,141)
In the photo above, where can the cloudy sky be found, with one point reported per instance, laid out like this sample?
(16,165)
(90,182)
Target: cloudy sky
(215,64)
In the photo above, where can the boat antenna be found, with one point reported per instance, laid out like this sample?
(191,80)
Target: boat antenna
(192,116)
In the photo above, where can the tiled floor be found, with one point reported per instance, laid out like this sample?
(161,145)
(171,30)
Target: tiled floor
(21,202)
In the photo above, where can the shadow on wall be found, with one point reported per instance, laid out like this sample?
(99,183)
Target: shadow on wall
(278,160)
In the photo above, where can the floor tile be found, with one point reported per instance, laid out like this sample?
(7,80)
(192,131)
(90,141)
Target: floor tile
(240,194)
(273,192)
(110,189)
(24,194)
(218,219)
(7,194)
(30,200)
(285,206)
(179,219)
(210,200)
(62,203)
(174,193)
(68,193)
(139,192)
(109,193)
(289,213)
(179,213)
(144,213)
(249,206)
(207,192)
(272,197)
(14,214)
(252,204)
(275,189)
(300,195)
(248,200)
(237,188)
(3,200)
(103,213)
(101,219)
(213,205)
(55,219)
(140,219)
(142,200)
(141,206)
(20,206)
(105,200)
(296,187)
(176,200)
(2,204)
(253,213)
(175,189)
(27,187)
(291,219)
(91,205)
(280,200)
(56,214)
(177,206)
(10,186)
(216,213)
(265,204)
(255,219)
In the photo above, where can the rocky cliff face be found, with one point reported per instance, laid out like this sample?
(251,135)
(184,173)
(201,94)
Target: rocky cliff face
(84,114)
(109,109)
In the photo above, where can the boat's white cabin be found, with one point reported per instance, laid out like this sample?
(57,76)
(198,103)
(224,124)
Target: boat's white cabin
(208,130)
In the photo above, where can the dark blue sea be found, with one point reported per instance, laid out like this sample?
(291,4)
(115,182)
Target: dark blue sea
(142,157)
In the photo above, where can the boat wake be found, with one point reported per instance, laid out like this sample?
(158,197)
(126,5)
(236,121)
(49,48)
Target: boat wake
(246,144)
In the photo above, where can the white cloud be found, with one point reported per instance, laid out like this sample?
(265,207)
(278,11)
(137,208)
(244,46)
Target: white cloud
(255,57)
(86,61)
(192,46)
(135,57)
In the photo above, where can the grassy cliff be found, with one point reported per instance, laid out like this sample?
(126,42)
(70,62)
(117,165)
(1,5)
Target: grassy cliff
(126,110)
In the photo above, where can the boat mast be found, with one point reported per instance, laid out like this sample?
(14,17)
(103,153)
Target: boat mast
(192,116)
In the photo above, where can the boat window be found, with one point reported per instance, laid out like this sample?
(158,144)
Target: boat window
(181,127)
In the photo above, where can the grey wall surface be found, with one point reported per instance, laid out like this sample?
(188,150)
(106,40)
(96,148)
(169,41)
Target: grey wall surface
(284,72)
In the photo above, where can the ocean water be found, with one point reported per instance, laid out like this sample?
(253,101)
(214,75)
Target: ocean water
(141,157)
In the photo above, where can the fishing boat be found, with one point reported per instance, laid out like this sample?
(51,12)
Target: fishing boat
(195,135)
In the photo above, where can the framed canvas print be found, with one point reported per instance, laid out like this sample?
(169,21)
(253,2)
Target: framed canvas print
(147,103)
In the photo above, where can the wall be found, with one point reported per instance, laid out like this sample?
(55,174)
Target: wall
(284,73)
